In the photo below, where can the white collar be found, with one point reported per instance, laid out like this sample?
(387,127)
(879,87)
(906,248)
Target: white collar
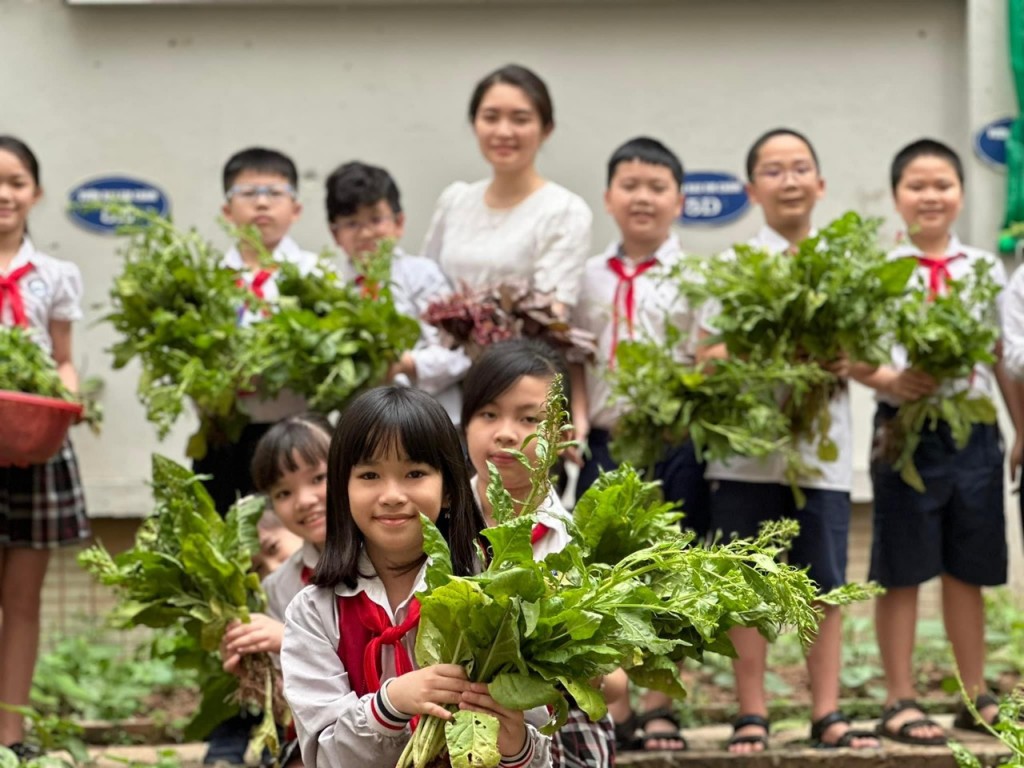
(287,250)
(772,241)
(666,252)
(907,248)
(23,256)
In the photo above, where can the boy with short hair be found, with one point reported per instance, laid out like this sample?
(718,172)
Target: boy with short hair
(261,191)
(364,207)
(625,295)
(956,528)
(784,179)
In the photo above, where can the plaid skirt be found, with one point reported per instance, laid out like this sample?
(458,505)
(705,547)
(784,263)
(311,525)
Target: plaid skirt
(42,506)
(582,743)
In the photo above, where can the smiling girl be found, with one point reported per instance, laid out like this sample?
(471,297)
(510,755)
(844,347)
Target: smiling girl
(504,396)
(41,505)
(347,658)
(516,224)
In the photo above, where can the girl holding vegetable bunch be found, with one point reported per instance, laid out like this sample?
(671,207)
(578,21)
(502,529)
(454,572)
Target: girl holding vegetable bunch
(504,396)
(347,655)
(41,505)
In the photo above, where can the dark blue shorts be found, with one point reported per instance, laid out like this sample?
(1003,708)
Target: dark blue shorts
(957,526)
(738,509)
(681,476)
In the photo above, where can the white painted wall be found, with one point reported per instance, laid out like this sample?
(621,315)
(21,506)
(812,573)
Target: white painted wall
(166,93)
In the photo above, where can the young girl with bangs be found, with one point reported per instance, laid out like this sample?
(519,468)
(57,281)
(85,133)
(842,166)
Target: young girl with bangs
(348,653)
(504,396)
(42,506)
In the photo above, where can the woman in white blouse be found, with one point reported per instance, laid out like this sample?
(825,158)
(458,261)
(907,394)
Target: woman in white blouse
(517,224)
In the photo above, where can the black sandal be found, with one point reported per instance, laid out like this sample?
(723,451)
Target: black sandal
(903,734)
(968,722)
(818,728)
(750,738)
(631,735)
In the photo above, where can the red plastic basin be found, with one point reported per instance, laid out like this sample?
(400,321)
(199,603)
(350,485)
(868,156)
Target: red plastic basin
(32,428)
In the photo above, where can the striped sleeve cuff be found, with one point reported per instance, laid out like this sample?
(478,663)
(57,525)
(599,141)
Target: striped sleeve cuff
(521,760)
(384,714)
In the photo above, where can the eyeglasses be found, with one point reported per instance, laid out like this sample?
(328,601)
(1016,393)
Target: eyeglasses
(252,192)
(799,172)
(373,223)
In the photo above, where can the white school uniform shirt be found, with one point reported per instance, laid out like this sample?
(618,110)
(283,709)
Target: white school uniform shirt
(51,290)
(657,304)
(982,381)
(553,515)
(287,403)
(544,239)
(834,475)
(337,728)
(1013,324)
(282,585)
(416,282)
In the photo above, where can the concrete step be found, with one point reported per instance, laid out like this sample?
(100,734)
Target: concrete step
(789,747)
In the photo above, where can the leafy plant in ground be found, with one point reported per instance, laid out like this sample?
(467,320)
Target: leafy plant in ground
(945,336)
(1008,728)
(190,570)
(49,733)
(178,310)
(27,367)
(86,676)
(537,632)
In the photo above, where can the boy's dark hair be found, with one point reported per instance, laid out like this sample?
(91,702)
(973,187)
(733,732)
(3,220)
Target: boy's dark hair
(21,150)
(924,148)
(527,81)
(376,423)
(354,185)
(764,138)
(307,437)
(502,365)
(646,150)
(260,160)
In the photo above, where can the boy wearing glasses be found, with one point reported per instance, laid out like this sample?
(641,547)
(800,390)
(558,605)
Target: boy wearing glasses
(364,208)
(785,181)
(260,190)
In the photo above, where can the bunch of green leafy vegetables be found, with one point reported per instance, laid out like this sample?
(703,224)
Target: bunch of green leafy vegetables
(834,296)
(945,336)
(177,309)
(537,632)
(783,318)
(190,571)
(327,340)
(729,409)
(26,367)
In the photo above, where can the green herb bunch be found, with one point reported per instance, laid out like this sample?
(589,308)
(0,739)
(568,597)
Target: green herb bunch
(783,318)
(328,340)
(176,309)
(26,367)
(729,409)
(835,296)
(945,336)
(190,570)
(537,632)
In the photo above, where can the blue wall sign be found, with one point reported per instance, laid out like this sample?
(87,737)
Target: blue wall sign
(713,198)
(990,141)
(85,199)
